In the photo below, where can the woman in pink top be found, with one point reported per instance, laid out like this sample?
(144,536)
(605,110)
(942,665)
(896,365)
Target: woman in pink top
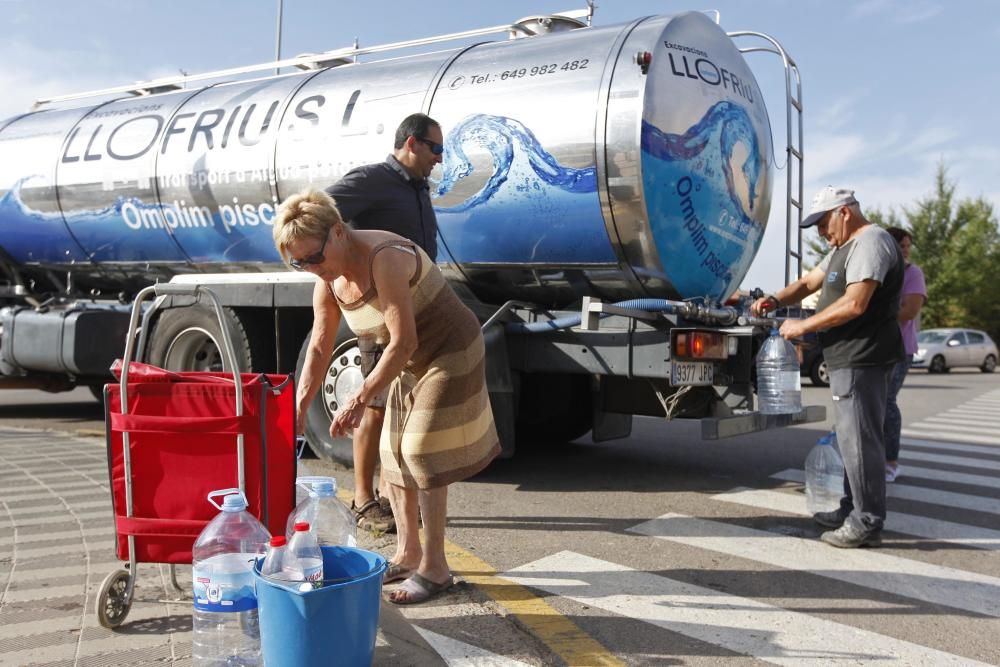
(912,298)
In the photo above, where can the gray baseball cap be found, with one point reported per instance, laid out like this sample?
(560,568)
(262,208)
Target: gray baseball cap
(825,201)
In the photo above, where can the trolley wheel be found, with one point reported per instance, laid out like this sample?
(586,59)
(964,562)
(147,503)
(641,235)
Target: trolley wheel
(112,605)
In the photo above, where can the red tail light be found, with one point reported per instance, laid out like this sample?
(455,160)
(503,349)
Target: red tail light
(697,344)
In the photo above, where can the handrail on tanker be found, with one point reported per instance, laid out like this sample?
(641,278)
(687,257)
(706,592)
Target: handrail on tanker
(308,60)
(794,148)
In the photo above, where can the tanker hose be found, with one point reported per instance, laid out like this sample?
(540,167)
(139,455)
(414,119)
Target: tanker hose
(724,315)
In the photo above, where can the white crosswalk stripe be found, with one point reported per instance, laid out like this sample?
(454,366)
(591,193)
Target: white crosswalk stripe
(947,475)
(953,446)
(962,428)
(910,524)
(936,584)
(949,435)
(918,493)
(968,461)
(740,624)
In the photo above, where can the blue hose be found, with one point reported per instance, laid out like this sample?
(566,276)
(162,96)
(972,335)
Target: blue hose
(653,305)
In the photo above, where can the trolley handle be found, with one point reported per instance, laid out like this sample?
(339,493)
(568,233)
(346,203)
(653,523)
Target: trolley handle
(164,289)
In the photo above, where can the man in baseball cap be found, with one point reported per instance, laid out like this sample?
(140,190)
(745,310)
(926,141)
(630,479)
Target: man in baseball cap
(860,278)
(826,200)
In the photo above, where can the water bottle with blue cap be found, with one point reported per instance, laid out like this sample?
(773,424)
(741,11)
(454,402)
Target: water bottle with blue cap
(330,519)
(225,629)
(824,475)
(779,385)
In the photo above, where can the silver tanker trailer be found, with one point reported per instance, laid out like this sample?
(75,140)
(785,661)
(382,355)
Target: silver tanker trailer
(603,191)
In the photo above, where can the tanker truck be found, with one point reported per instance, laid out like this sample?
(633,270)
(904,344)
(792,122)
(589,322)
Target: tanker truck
(603,191)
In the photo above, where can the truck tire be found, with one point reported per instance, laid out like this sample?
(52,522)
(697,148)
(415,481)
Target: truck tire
(341,379)
(189,339)
(553,408)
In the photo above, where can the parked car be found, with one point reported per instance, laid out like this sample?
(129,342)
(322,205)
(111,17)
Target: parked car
(940,350)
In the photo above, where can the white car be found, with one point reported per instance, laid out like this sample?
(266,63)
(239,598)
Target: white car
(940,350)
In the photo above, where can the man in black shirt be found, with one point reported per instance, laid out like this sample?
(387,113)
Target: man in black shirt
(393,196)
(861,281)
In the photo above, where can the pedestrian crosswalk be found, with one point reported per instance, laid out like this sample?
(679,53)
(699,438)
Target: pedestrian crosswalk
(949,470)
(739,624)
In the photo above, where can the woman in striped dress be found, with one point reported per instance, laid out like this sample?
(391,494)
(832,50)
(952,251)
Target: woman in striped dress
(439,427)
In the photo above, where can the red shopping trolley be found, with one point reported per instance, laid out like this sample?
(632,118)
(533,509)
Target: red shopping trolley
(174,437)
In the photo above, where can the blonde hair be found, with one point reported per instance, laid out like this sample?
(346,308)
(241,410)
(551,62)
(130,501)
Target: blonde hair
(309,214)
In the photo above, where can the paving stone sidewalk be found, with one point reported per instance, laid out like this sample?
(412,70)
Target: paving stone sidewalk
(56,548)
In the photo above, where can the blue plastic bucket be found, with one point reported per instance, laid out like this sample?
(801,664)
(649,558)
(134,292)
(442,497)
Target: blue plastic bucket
(334,624)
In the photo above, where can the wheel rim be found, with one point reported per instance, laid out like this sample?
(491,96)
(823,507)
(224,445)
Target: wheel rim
(824,373)
(990,363)
(937,364)
(343,379)
(193,349)
(114,603)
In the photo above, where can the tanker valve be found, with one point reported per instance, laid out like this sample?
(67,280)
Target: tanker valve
(643,59)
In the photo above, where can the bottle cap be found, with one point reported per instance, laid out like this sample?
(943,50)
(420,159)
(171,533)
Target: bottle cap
(278,541)
(301,527)
(234,502)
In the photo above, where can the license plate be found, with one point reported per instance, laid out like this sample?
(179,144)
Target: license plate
(691,373)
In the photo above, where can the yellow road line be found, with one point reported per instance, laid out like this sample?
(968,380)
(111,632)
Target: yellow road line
(560,634)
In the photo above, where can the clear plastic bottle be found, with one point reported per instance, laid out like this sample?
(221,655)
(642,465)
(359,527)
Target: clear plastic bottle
(779,386)
(274,561)
(304,559)
(332,522)
(824,475)
(225,629)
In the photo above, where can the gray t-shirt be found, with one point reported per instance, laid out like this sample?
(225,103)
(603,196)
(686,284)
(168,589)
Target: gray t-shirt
(872,338)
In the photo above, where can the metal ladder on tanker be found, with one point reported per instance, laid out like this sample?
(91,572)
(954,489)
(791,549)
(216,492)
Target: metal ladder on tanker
(793,147)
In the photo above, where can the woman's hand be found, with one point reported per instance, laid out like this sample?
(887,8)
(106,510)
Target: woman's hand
(348,417)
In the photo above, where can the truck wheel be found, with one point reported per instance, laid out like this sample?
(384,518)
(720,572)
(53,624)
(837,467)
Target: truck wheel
(189,339)
(553,408)
(340,381)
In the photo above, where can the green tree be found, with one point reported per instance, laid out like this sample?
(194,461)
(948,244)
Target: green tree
(957,244)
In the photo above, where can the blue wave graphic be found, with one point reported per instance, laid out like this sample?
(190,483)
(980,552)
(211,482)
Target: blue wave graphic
(33,236)
(530,210)
(131,230)
(704,236)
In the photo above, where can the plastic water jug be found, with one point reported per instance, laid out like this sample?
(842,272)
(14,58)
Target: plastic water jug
(330,520)
(225,628)
(779,386)
(304,559)
(824,475)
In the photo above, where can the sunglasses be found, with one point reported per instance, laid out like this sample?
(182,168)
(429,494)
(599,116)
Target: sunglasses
(435,147)
(315,258)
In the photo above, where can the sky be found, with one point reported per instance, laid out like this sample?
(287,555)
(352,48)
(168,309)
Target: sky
(891,89)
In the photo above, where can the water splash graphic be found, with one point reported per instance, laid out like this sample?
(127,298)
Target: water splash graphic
(530,209)
(127,230)
(705,235)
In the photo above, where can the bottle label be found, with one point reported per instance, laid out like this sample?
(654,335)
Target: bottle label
(225,583)
(789,381)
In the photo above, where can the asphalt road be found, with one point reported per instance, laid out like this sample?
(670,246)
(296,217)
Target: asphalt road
(665,549)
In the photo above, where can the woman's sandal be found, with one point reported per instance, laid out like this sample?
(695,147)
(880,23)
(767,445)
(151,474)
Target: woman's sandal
(396,572)
(420,589)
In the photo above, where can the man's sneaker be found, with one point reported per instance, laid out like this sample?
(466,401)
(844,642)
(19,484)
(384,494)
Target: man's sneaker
(849,536)
(892,471)
(373,517)
(832,519)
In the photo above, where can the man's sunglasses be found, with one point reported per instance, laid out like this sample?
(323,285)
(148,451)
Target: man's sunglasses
(315,258)
(435,147)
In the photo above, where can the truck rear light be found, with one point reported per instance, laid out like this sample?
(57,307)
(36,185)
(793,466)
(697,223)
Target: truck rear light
(697,344)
